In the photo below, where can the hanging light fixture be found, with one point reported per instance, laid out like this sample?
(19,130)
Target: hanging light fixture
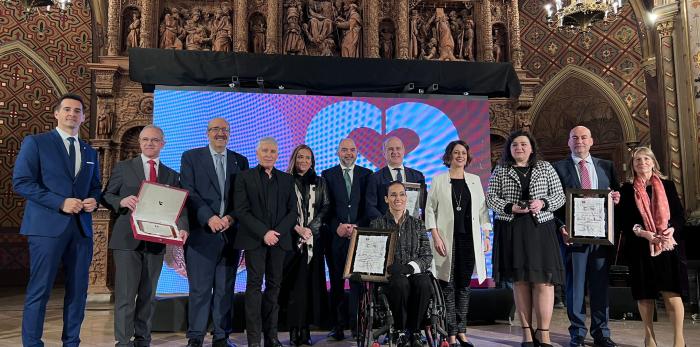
(30,6)
(579,15)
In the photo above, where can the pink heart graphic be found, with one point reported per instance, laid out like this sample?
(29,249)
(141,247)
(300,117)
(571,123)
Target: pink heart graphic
(369,142)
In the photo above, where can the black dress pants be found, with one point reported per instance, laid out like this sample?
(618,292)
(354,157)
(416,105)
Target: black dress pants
(408,299)
(262,310)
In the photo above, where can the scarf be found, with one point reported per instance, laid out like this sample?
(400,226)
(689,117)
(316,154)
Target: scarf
(655,212)
(306,199)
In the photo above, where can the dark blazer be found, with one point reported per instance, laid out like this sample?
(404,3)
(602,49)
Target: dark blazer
(198,176)
(377,186)
(344,208)
(252,214)
(124,181)
(566,170)
(41,175)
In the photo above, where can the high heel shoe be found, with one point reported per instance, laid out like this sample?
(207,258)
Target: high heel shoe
(529,343)
(540,343)
(465,343)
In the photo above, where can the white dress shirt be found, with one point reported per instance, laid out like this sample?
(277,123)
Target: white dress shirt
(591,169)
(64,136)
(147,166)
(350,173)
(393,172)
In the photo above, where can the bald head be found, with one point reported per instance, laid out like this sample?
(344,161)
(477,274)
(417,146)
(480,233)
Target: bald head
(218,132)
(580,141)
(393,151)
(347,152)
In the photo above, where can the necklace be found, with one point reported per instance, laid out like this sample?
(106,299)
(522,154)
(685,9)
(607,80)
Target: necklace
(459,199)
(520,169)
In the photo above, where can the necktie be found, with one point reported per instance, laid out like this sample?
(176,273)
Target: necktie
(585,176)
(222,180)
(152,176)
(399,178)
(71,155)
(348,181)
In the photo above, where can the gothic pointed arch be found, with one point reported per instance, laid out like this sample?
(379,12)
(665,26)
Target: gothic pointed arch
(36,59)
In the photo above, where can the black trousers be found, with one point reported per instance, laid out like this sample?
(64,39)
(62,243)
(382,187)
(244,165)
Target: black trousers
(135,282)
(408,299)
(262,310)
(343,310)
(457,291)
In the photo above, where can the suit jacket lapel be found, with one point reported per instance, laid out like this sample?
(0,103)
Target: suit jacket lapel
(571,167)
(208,162)
(163,174)
(231,169)
(603,179)
(137,165)
(61,148)
(355,188)
(386,175)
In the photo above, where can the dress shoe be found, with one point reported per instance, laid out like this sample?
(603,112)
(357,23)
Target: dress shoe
(273,342)
(337,334)
(194,343)
(402,340)
(416,340)
(304,336)
(294,336)
(465,343)
(604,341)
(577,341)
(225,342)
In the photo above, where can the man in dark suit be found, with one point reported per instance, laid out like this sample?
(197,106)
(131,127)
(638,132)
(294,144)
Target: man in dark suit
(346,185)
(208,174)
(266,207)
(586,263)
(137,263)
(59,176)
(394,170)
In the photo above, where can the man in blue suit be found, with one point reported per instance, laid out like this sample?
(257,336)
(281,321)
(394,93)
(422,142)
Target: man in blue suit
(394,170)
(346,185)
(59,176)
(586,263)
(208,174)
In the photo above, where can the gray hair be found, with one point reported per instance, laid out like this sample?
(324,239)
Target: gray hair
(389,139)
(153,126)
(346,139)
(267,139)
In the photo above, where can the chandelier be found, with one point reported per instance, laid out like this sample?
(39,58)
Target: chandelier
(32,5)
(579,15)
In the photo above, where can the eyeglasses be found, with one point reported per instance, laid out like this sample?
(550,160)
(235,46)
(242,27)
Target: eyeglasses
(154,140)
(218,129)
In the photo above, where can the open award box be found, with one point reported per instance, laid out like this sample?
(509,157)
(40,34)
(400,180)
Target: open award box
(156,214)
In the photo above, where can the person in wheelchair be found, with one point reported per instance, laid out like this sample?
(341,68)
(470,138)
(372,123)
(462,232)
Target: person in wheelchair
(409,289)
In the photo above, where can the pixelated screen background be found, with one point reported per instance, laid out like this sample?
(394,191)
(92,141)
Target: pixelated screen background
(426,126)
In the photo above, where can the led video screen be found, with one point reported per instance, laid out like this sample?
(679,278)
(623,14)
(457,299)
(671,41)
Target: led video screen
(425,124)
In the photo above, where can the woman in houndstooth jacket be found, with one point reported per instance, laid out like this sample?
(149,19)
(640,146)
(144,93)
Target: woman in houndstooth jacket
(523,193)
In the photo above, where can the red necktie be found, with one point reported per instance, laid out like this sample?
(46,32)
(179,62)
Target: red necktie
(585,176)
(152,177)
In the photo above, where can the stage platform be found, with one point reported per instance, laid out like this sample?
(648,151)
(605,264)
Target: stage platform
(97,330)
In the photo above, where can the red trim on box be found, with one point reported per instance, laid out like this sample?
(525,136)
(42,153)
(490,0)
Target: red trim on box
(177,242)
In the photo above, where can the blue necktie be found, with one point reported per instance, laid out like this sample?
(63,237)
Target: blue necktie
(399,178)
(71,156)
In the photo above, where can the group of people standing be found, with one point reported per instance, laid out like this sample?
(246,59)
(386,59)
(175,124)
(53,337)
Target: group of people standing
(286,223)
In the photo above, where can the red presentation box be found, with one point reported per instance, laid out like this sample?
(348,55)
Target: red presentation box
(156,213)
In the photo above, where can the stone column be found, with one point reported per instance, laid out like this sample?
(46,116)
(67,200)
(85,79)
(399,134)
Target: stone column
(272,35)
(516,56)
(486,35)
(402,27)
(149,31)
(370,32)
(666,15)
(113,17)
(240,36)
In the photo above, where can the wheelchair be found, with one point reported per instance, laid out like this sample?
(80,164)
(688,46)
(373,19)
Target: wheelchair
(375,319)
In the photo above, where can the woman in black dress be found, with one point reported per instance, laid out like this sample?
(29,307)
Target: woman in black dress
(523,193)
(651,216)
(304,282)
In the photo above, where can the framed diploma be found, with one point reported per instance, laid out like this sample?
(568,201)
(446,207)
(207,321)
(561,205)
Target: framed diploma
(414,199)
(155,216)
(370,254)
(589,216)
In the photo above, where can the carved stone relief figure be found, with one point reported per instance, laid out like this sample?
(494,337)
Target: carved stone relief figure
(446,44)
(457,29)
(134,30)
(105,119)
(352,26)
(469,40)
(319,28)
(221,30)
(293,40)
(257,33)
(386,39)
(197,38)
(499,42)
(170,31)
(415,25)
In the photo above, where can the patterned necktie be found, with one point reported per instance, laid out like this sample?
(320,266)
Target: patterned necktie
(399,178)
(348,181)
(220,174)
(585,176)
(71,155)
(152,176)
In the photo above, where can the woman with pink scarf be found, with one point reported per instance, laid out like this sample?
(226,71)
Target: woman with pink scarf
(650,216)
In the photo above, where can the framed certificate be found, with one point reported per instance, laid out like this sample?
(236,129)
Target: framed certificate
(589,216)
(370,254)
(155,216)
(414,199)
